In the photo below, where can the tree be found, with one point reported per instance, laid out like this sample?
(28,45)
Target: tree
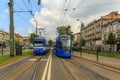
(16,43)
(111,40)
(118,39)
(62,30)
(50,42)
(83,42)
(32,36)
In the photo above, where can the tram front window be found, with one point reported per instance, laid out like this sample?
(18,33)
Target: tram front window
(66,43)
(38,44)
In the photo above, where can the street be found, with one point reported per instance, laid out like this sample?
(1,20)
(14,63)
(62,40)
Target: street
(51,67)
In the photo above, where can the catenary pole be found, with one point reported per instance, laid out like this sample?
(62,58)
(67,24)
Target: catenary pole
(11,28)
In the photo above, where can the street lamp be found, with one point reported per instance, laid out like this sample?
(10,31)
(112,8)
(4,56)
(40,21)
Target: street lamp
(80,36)
(36,25)
(40,31)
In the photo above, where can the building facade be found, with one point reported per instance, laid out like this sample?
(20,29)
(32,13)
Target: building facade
(92,33)
(4,38)
(111,27)
(76,40)
(18,39)
(27,42)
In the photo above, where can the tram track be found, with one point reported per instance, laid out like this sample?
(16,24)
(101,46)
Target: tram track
(89,73)
(98,64)
(67,69)
(32,73)
(35,64)
(18,69)
(8,69)
(96,70)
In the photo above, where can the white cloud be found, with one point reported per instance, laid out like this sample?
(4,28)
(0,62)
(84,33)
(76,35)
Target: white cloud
(30,30)
(49,17)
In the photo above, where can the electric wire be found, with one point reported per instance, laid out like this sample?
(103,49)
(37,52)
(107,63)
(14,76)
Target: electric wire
(81,2)
(18,5)
(65,13)
(61,13)
(25,4)
(99,5)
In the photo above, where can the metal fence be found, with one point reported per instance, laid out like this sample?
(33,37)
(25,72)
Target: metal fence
(4,51)
(108,58)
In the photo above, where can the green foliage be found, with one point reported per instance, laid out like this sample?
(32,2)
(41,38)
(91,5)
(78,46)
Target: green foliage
(103,53)
(111,39)
(50,42)
(16,43)
(7,58)
(75,44)
(65,30)
(118,39)
(32,36)
(83,42)
(62,30)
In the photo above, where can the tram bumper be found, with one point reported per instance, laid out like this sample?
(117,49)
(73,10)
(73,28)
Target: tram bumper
(39,51)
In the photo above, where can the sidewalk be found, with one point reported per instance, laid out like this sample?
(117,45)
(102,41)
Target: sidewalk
(111,62)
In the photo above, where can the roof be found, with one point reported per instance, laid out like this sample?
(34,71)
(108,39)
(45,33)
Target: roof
(76,33)
(17,35)
(111,22)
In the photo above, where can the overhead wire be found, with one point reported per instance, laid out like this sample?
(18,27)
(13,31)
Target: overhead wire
(18,5)
(73,9)
(21,10)
(49,19)
(65,13)
(99,5)
(55,24)
(21,17)
(61,13)
(30,5)
(25,4)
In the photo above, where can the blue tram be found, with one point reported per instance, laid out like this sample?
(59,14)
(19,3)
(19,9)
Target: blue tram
(63,46)
(39,45)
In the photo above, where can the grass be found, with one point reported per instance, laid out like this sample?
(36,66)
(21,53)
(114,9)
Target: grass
(7,58)
(102,53)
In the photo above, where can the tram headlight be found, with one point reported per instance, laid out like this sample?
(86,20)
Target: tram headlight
(44,48)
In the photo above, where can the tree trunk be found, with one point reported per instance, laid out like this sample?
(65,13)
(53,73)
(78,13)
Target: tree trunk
(110,48)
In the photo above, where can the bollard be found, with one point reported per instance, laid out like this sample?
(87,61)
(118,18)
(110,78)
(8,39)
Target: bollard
(97,53)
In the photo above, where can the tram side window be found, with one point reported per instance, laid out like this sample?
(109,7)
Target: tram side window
(60,45)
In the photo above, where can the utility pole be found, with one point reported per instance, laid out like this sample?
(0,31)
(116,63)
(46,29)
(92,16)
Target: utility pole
(40,31)
(81,39)
(36,25)
(39,2)
(11,28)
(2,40)
(80,36)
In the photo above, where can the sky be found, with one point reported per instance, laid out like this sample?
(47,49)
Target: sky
(53,13)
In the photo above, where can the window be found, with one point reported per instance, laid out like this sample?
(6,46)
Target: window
(118,27)
(110,29)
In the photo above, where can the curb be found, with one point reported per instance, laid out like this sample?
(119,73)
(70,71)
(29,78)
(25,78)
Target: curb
(98,62)
(13,61)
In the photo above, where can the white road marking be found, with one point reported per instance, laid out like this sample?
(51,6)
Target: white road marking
(45,70)
(49,69)
(32,59)
(44,59)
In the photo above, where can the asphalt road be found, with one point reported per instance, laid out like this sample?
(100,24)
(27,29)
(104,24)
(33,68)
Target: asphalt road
(51,67)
